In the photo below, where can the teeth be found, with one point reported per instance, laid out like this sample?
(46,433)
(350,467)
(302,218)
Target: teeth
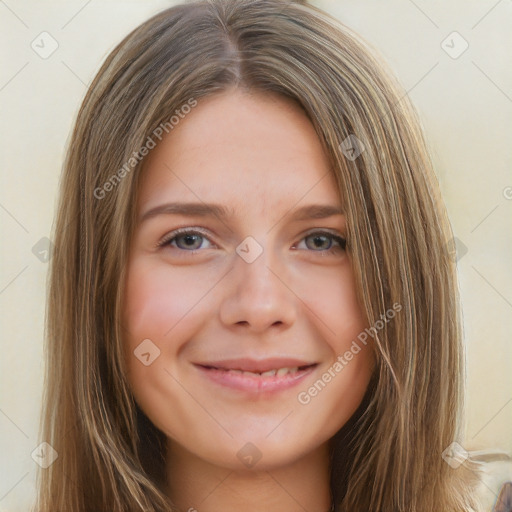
(270,373)
(284,371)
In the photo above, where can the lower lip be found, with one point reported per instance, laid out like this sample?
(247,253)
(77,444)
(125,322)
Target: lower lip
(255,384)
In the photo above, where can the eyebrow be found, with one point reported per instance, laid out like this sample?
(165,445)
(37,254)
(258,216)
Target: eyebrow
(312,211)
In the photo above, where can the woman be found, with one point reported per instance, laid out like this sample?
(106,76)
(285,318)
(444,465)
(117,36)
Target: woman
(205,350)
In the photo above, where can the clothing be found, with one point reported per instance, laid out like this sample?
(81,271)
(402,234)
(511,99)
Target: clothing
(504,501)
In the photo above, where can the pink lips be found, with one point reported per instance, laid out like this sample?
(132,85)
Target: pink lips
(273,374)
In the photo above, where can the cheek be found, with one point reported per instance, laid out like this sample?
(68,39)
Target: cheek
(162,309)
(332,299)
(158,298)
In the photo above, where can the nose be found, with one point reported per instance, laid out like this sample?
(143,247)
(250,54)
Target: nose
(258,296)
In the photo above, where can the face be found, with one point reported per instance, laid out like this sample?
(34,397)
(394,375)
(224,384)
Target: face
(240,302)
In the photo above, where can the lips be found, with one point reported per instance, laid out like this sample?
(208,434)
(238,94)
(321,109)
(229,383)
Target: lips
(257,376)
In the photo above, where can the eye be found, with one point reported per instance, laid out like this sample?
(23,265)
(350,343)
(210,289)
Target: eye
(323,241)
(191,240)
(184,239)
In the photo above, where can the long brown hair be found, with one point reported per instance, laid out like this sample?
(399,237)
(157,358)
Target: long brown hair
(389,456)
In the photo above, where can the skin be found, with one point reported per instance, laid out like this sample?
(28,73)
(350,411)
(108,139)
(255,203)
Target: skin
(260,156)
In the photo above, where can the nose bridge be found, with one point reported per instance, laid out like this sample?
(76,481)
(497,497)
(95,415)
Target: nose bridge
(256,273)
(258,296)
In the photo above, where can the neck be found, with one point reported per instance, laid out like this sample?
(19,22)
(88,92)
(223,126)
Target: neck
(197,485)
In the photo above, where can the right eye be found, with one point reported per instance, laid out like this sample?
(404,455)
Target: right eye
(184,239)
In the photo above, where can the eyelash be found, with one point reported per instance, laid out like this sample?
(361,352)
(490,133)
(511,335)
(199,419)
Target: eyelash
(188,231)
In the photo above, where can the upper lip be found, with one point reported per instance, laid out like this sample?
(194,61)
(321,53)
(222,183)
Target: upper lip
(256,365)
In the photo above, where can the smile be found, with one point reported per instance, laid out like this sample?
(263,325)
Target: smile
(255,380)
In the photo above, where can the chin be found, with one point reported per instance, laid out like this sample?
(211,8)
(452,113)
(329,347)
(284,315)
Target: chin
(256,452)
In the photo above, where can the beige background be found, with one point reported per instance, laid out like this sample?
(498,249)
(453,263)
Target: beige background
(465,104)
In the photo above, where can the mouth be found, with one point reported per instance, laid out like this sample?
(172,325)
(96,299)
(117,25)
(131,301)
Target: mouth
(257,376)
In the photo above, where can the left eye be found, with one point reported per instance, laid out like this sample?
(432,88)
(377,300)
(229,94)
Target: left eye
(323,241)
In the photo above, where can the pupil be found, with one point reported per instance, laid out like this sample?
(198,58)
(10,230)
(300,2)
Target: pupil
(319,239)
(190,239)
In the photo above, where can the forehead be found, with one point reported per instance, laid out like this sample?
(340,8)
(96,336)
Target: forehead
(246,149)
